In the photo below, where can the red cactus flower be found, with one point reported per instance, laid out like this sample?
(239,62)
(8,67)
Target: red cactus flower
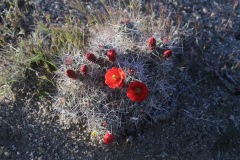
(111,55)
(167,53)
(71,74)
(108,138)
(151,43)
(137,91)
(84,69)
(114,77)
(91,57)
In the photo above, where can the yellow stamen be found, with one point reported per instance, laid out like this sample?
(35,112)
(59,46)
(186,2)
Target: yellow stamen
(94,133)
(114,76)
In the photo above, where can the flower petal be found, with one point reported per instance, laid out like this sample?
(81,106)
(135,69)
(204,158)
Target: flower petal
(137,96)
(114,77)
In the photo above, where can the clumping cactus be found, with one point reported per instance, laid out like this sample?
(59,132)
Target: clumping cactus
(131,85)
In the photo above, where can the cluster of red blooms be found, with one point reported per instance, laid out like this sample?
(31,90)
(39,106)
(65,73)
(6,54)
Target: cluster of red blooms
(111,54)
(74,75)
(152,46)
(114,78)
(137,91)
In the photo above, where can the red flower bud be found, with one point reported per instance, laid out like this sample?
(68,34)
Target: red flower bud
(167,53)
(91,57)
(71,74)
(125,21)
(108,138)
(131,71)
(151,43)
(84,69)
(111,55)
(104,124)
(68,61)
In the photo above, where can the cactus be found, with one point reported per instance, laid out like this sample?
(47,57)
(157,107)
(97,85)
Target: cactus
(90,97)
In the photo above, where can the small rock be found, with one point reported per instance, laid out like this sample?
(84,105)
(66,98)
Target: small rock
(6,153)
